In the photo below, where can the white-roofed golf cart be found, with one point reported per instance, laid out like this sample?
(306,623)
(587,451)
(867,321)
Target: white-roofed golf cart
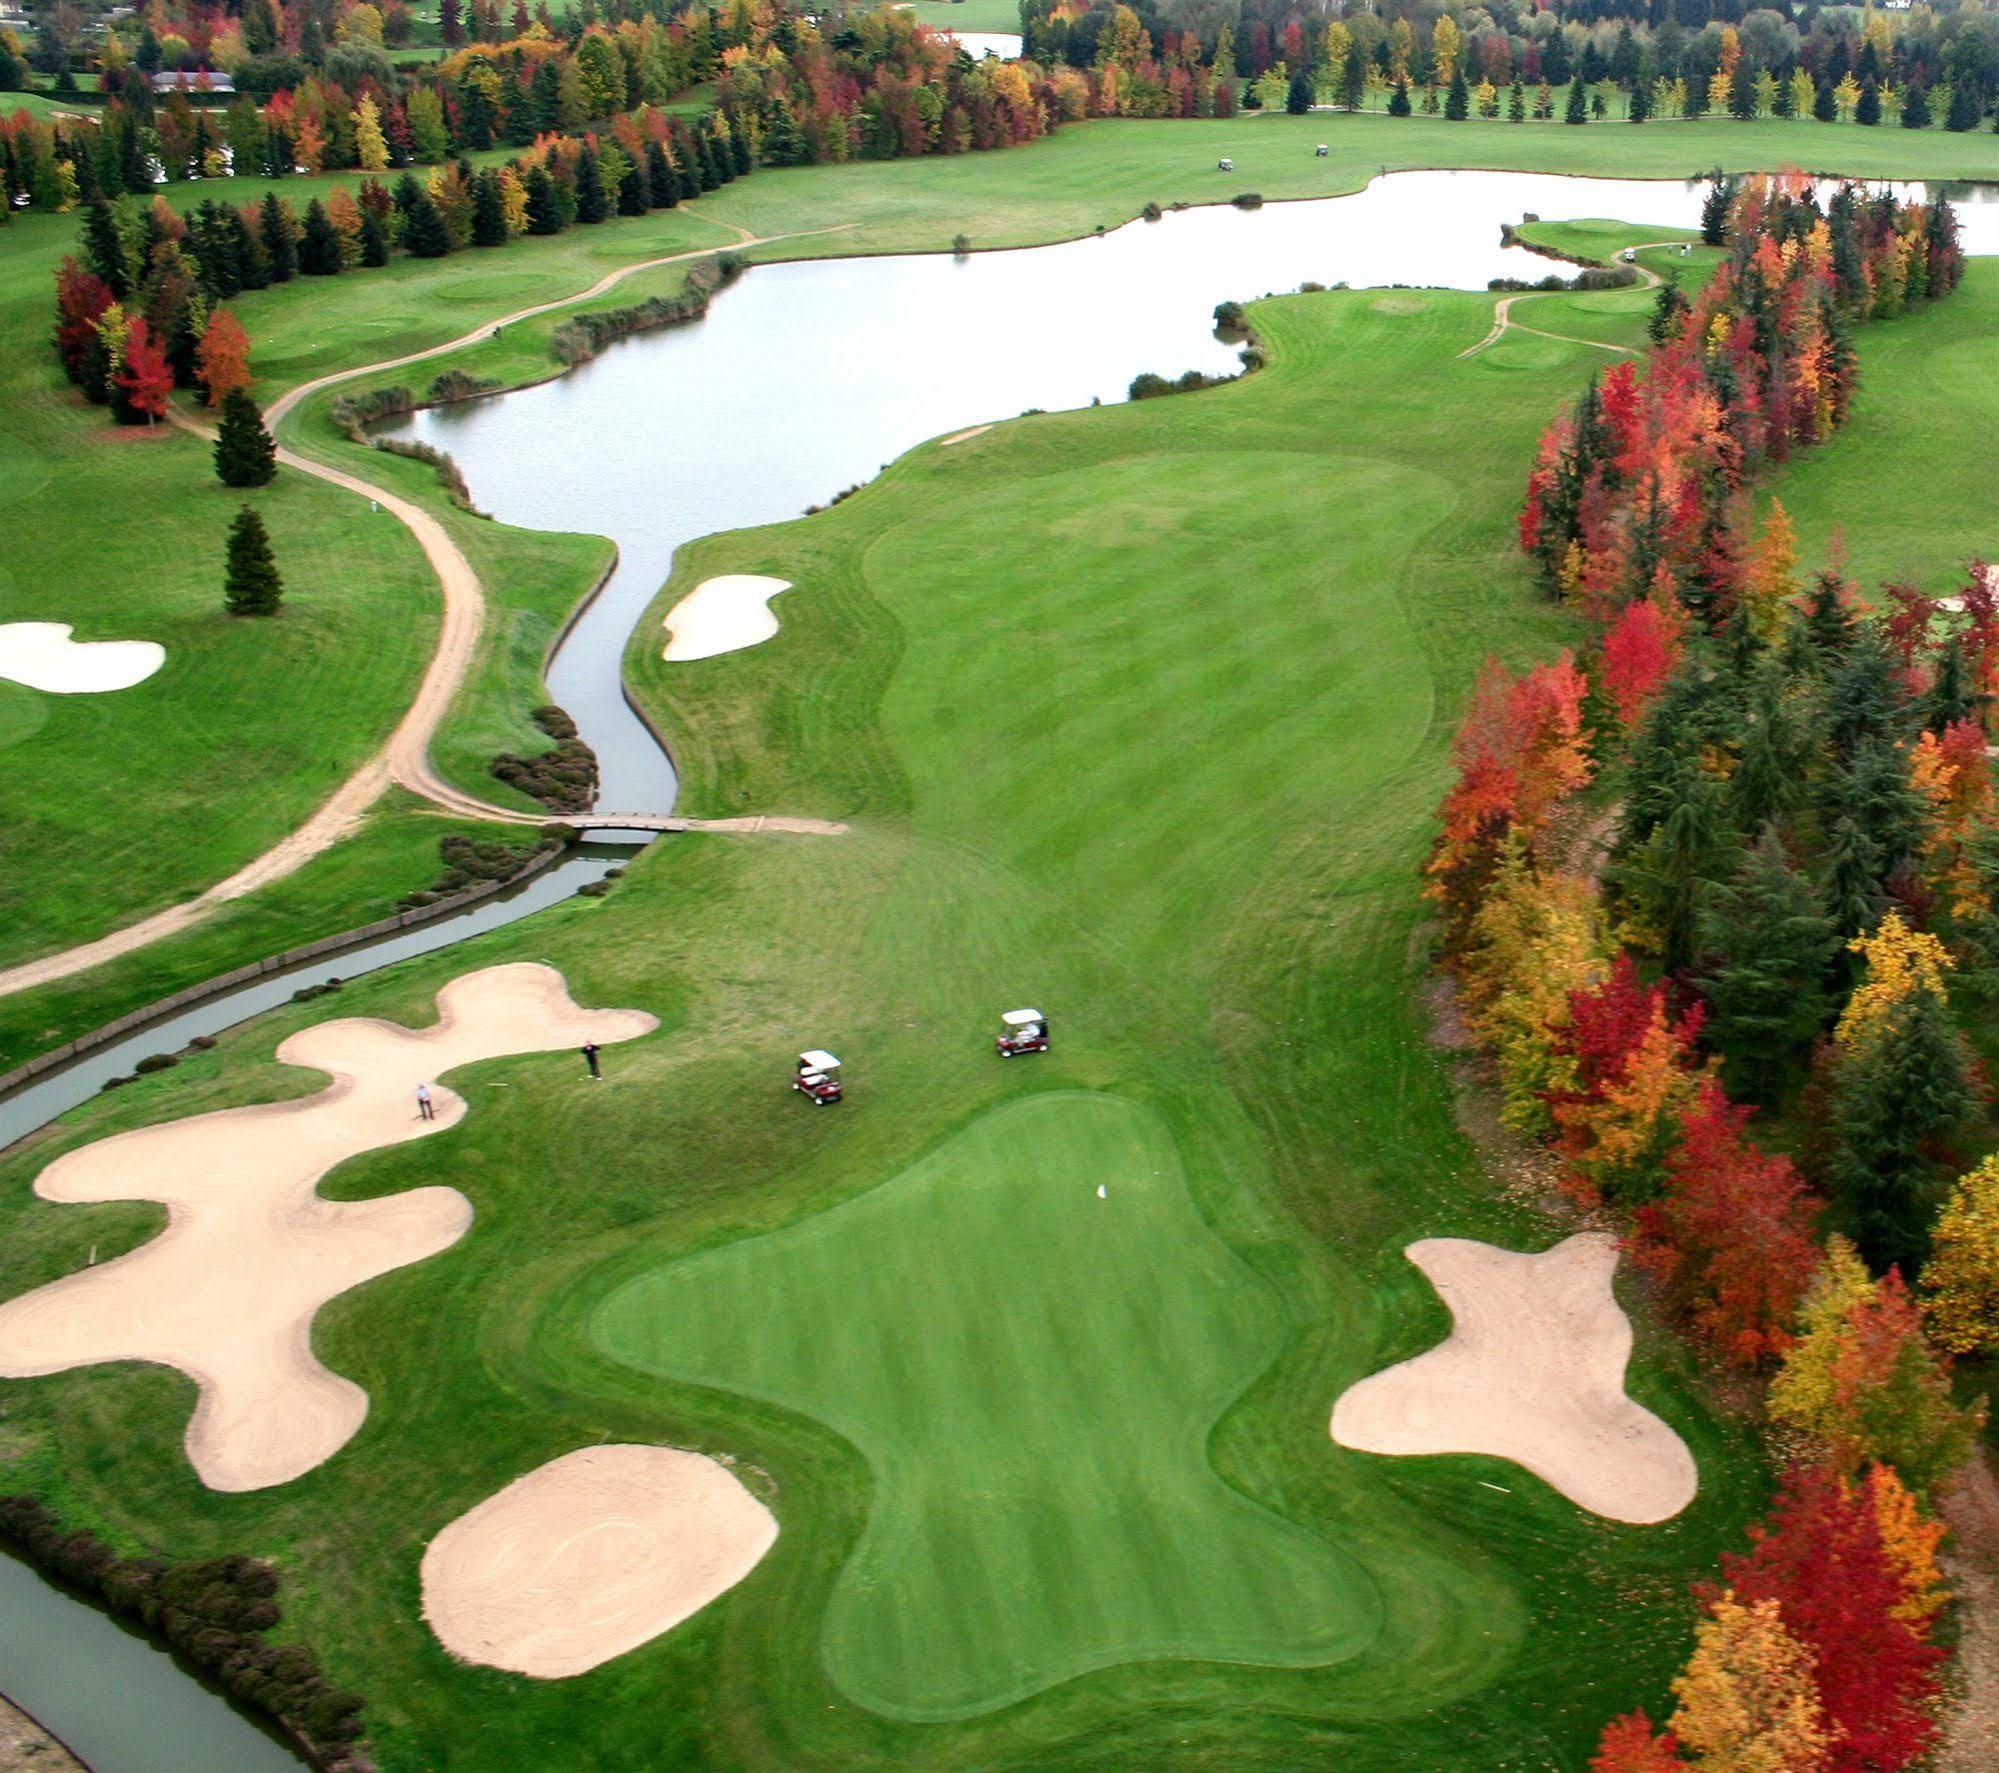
(1025,1031)
(818,1077)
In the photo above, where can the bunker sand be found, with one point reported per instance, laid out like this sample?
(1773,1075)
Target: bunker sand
(44,656)
(589,1556)
(1533,1371)
(722,615)
(228,1291)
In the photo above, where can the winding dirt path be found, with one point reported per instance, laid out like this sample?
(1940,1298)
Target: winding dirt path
(1503,321)
(405,759)
(1970,1740)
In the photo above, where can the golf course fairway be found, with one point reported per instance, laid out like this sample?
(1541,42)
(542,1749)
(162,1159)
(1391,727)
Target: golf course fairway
(1031,1369)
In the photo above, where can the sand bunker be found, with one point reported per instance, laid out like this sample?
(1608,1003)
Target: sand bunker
(722,615)
(227,1292)
(589,1556)
(42,655)
(1533,1371)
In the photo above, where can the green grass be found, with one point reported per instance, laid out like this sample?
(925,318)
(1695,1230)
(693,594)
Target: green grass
(1162,763)
(1161,759)
(968,15)
(986,1326)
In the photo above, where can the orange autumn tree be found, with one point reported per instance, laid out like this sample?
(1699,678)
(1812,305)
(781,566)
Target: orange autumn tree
(1629,1745)
(223,356)
(146,380)
(1520,752)
(1911,1539)
(1953,774)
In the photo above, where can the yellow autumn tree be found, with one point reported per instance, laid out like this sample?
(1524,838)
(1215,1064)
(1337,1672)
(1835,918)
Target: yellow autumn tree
(1910,1538)
(1748,1698)
(1447,43)
(1773,572)
(1803,1391)
(371,147)
(1900,962)
(1961,1282)
(1536,938)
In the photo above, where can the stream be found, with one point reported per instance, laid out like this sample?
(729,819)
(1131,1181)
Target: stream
(804,379)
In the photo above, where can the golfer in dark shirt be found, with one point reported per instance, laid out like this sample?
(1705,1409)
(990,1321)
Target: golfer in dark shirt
(590,1059)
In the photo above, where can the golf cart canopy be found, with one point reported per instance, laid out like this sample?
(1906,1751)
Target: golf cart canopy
(1020,1018)
(815,1060)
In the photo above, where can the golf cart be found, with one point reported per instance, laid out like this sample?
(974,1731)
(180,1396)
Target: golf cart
(1026,1032)
(818,1078)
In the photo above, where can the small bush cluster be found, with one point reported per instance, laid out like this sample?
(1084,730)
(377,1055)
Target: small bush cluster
(1149,386)
(352,414)
(214,1613)
(584,336)
(564,778)
(449,474)
(1247,200)
(459,384)
(469,860)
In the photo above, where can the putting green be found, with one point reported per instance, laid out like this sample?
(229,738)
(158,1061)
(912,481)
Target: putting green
(1032,1371)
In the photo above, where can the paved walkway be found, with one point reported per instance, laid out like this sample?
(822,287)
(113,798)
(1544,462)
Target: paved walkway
(405,759)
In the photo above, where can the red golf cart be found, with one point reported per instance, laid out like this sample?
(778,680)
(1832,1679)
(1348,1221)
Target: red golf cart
(818,1078)
(1026,1031)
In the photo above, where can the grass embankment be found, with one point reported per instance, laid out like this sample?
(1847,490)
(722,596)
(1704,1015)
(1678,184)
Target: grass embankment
(1160,760)
(278,733)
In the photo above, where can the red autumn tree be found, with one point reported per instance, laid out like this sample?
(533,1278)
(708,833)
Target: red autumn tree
(1520,752)
(1821,1558)
(81,298)
(1635,1070)
(1639,654)
(223,356)
(147,380)
(1629,1746)
(1731,1236)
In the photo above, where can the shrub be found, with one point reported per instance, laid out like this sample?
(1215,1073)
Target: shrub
(563,778)
(155,1062)
(352,414)
(583,336)
(1229,317)
(458,384)
(1247,200)
(448,472)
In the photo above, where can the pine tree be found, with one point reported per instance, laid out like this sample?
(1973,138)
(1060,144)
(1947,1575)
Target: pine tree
(319,244)
(544,213)
(1915,107)
(1966,107)
(663,189)
(374,240)
(251,585)
(105,254)
(1669,312)
(274,222)
(1868,111)
(1578,111)
(245,453)
(591,203)
(1902,1094)
(489,214)
(1767,950)
(1457,102)
(634,193)
(425,233)
(1398,100)
(1516,102)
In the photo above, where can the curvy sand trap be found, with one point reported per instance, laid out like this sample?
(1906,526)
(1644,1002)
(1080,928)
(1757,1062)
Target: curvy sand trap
(42,655)
(227,1292)
(722,615)
(588,1556)
(1533,1371)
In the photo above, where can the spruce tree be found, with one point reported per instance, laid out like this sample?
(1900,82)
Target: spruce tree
(1915,107)
(374,240)
(1966,105)
(634,194)
(591,203)
(1950,697)
(104,250)
(1825,103)
(1457,102)
(1578,111)
(1868,111)
(1901,1096)
(489,211)
(1398,100)
(1640,108)
(251,585)
(245,454)
(662,188)
(274,222)
(318,245)
(1298,95)
(425,234)
(544,214)
(740,160)
(1669,308)
(1767,949)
